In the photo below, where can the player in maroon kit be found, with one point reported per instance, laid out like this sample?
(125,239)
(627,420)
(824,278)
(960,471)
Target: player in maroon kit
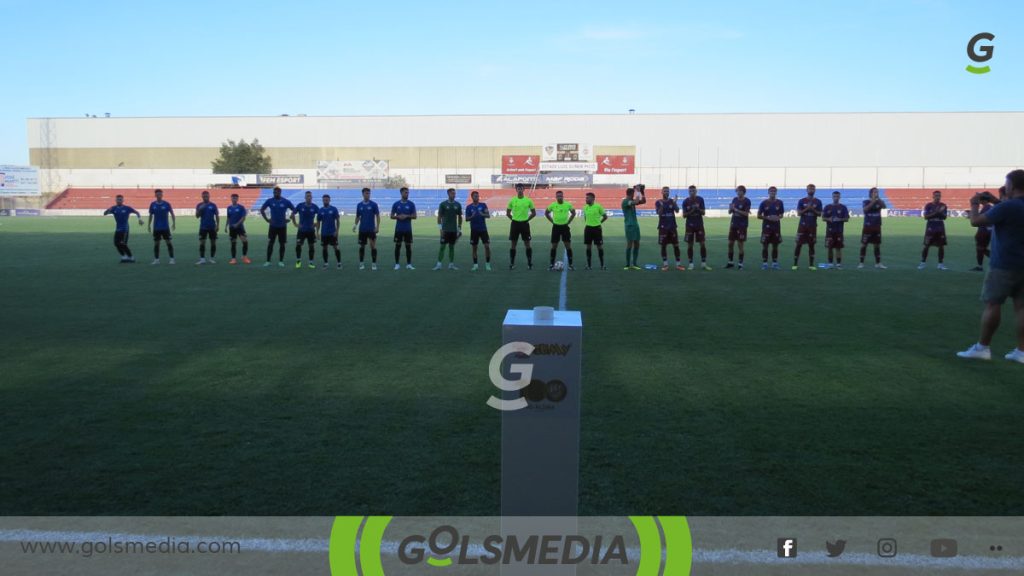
(983,237)
(770,214)
(693,211)
(668,230)
(872,232)
(808,209)
(835,215)
(935,212)
(740,210)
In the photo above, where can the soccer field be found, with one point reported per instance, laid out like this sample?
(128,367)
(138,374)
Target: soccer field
(159,390)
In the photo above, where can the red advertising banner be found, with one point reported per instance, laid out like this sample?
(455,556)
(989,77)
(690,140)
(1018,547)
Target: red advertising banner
(520,164)
(615,164)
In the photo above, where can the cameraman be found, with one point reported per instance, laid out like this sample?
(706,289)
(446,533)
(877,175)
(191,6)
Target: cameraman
(1005,278)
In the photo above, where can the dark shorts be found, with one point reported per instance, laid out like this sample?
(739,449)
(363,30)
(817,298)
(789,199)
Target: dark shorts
(211,234)
(519,230)
(305,236)
(162,235)
(120,237)
(935,238)
(236,231)
(477,236)
(1002,284)
(365,237)
(871,236)
(279,234)
(834,240)
(806,235)
(593,235)
(737,234)
(329,240)
(405,237)
(982,238)
(695,234)
(773,237)
(668,236)
(449,237)
(560,233)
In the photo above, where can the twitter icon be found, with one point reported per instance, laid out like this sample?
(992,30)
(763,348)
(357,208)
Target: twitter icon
(835,549)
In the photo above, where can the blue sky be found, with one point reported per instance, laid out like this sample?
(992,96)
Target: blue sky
(65,58)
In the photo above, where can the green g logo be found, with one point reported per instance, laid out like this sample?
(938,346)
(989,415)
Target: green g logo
(980,54)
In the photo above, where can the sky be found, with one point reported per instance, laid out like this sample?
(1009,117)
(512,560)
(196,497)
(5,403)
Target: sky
(230,58)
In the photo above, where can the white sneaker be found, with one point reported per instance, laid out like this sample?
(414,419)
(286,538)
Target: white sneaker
(1017,355)
(861,266)
(211,261)
(398,267)
(409,267)
(921,266)
(764,266)
(362,266)
(942,267)
(452,266)
(201,261)
(436,266)
(881,266)
(339,265)
(693,266)
(171,261)
(839,266)
(474,268)
(373,266)
(977,352)
(124,258)
(154,262)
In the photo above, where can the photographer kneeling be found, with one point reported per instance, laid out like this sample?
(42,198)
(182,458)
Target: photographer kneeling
(1006,274)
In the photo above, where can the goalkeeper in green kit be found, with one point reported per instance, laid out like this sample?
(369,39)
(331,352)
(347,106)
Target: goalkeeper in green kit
(629,204)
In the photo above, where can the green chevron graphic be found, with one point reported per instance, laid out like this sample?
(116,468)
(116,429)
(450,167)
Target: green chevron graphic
(666,546)
(975,70)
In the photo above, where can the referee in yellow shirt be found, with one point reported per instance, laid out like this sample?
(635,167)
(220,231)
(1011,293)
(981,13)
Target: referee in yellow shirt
(520,211)
(560,213)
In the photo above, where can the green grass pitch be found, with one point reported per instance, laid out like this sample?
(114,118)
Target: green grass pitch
(247,391)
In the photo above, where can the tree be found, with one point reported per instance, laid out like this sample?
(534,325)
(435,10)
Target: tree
(395,181)
(242,158)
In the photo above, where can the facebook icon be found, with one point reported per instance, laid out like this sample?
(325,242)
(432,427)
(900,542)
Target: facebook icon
(787,548)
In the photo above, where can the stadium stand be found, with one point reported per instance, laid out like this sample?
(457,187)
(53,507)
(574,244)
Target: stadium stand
(103,198)
(916,198)
(428,198)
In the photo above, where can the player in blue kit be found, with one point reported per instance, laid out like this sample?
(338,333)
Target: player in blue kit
(328,223)
(279,208)
(808,208)
(477,214)
(161,223)
(835,215)
(122,214)
(403,212)
(209,222)
(739,208)
(305,214)
(235,229)
(368,224)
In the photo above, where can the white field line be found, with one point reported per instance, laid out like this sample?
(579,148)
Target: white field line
(563,283)
(729,556)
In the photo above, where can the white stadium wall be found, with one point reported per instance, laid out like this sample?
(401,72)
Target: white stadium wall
(853,150)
